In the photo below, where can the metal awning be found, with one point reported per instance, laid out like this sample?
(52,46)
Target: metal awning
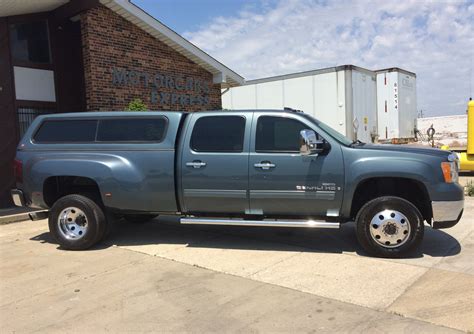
(17,7)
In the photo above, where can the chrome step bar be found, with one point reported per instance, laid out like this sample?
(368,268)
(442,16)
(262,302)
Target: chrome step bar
(265,222)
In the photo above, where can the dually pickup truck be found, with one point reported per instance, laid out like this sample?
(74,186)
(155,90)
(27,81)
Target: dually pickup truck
(247,168)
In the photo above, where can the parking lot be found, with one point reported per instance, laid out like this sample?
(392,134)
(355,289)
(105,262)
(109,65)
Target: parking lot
(160,276)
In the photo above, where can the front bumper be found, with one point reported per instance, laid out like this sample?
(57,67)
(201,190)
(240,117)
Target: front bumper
(18,197)
(446,213)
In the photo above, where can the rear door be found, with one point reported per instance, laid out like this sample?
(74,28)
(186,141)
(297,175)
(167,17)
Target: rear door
(214,163)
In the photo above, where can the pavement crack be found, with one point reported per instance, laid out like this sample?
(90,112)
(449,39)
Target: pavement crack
(274,264)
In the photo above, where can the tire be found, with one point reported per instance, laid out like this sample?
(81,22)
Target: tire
(389,227)
(77,222)
(139,219)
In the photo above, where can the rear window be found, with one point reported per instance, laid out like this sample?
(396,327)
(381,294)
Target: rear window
(102,130)
(129,130)
(218,134)
(67,131)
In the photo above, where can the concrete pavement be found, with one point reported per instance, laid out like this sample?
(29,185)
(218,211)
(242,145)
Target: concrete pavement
(160,276)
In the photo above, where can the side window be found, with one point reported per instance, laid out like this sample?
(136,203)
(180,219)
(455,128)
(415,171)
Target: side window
(70,131)
(278,134)
(218,134)
(128,130)
(30,42)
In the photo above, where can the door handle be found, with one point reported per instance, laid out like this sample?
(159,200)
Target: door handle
(264,165)
(196,164)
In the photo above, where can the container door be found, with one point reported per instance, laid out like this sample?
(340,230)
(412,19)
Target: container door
(214,163)
(387,105)
(282,181)
(364,105)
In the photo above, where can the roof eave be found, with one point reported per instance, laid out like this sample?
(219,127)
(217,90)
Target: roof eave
(221,74)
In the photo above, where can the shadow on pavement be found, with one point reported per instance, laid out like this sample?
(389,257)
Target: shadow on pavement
(167,230)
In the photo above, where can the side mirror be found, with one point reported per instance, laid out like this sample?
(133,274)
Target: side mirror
(309,144)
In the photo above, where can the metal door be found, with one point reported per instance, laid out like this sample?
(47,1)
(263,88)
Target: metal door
(283,182)
(214,163)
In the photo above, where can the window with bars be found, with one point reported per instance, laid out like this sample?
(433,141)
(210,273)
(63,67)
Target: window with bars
(26,116)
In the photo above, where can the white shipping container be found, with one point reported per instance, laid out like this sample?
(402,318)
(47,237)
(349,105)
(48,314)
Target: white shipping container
(341,97)
(396,103)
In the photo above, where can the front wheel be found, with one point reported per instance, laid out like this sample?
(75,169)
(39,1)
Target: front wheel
(389,226)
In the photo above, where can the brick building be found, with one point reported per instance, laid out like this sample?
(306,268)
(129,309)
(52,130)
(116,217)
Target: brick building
(84,55)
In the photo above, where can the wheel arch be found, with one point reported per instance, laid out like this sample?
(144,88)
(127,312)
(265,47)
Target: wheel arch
(55,187)
(409,189)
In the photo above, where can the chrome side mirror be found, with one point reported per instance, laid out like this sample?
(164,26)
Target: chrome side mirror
(309,144)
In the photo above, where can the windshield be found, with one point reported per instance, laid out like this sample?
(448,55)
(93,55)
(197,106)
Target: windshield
(333,133)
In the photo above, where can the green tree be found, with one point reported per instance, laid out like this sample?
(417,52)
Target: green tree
(137,105)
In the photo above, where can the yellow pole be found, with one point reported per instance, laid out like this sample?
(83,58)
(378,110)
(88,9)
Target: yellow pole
(470,127)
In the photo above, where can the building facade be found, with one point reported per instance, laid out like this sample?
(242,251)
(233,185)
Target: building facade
(59,56)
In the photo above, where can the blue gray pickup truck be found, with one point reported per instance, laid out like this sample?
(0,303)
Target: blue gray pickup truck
(246,168)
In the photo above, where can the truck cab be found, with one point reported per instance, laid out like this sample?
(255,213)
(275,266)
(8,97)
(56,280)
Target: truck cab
(249,163)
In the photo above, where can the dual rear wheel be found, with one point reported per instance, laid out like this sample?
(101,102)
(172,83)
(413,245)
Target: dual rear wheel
(78,222)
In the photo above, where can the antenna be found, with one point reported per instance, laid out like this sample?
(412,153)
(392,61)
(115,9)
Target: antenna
(470,78)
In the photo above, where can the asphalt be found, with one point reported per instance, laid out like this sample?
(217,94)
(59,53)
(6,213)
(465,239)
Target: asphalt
(160,276)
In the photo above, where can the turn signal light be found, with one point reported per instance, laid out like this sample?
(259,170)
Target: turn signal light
(447,172)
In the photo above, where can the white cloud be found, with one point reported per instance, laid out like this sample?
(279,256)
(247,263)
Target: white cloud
(434,39)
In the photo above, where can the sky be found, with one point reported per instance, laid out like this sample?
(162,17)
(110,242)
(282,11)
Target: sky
(261,38)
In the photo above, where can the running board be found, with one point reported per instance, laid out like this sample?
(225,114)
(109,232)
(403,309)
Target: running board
(272,223)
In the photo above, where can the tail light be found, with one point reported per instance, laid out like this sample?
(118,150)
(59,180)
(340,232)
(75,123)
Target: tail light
(18,170)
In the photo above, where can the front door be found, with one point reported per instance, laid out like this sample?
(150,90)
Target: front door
(282,181)
(214,163)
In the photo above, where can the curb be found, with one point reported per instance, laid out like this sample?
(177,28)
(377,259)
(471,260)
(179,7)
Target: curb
(20,217)
(14,218)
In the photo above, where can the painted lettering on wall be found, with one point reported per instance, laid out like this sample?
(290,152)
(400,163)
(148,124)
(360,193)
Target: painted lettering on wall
(165,89)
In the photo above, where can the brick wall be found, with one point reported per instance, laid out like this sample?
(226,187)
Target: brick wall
(123,62)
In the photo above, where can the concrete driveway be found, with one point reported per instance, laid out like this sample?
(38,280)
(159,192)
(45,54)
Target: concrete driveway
(160,276)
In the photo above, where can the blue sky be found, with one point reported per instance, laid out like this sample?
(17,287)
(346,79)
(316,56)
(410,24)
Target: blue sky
(260,38)
(190,15)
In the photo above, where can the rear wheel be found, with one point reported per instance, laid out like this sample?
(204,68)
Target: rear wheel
(139,219)
(77,222)
(389,226)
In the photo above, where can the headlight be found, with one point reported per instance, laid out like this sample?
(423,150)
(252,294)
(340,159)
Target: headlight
(450,169)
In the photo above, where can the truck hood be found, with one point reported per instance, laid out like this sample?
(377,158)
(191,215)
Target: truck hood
(406,149)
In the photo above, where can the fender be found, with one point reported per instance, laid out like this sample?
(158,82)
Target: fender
(127,183)
(363,169)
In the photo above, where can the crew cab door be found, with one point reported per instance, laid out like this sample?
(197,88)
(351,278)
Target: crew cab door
(214,163)
(282,181)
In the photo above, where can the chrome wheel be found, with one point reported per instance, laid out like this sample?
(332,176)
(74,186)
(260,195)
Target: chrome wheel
(390,228)
(72,223)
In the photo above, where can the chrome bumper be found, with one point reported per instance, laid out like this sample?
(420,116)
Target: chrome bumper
(17,197)
(446,213)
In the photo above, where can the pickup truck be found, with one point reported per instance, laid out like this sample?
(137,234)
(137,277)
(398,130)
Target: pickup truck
(249,168)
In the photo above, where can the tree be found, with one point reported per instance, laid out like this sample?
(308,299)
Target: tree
(137,105)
